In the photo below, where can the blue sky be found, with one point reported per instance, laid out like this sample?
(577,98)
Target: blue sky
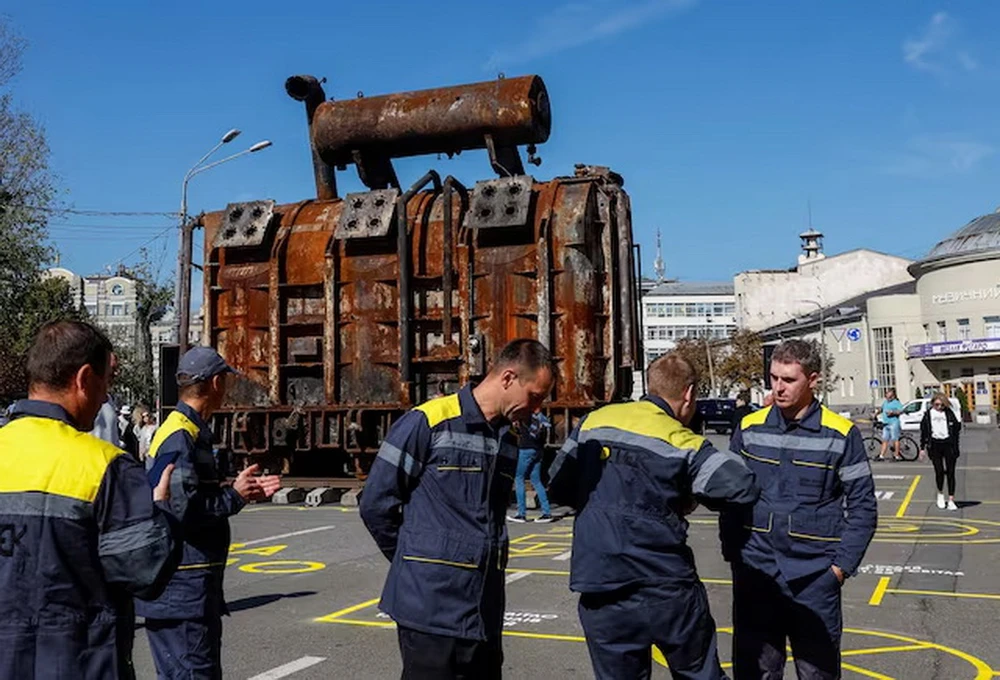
(725,118)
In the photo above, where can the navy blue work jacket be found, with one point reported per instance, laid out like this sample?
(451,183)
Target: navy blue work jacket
(629,470)
(435,502)
(79,536)
(817,506)
(203,506)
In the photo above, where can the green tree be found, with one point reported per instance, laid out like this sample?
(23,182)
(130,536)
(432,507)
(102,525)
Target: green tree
(27,196)
(742,364)
(696,351)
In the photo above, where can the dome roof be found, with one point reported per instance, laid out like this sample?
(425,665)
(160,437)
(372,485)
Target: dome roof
(981,235)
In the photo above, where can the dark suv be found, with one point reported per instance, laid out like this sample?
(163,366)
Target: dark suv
(716,414)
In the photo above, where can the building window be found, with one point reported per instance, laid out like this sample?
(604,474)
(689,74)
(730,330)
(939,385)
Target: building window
(942,331)
(843,387)
(927,332)
(945,374)
(967,373)
(992,326)
(994,370)
(117,310)
(885,358)
(654,354)
(964,332)
(852,386)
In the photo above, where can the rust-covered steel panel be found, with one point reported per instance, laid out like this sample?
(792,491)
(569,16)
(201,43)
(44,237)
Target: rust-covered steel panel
(310,310)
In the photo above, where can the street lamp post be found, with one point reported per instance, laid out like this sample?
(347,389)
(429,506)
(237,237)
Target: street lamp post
(183,291)
(822,350)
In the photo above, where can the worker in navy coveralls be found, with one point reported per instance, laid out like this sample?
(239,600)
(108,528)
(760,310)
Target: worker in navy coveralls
(184,625)
(632,471)
(808,532)
(80,531)
(435,502)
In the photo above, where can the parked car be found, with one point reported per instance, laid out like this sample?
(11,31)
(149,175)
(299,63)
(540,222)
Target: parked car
(913,412)
(716,414)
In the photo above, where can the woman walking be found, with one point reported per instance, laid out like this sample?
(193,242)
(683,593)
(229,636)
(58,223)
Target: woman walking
(939,431)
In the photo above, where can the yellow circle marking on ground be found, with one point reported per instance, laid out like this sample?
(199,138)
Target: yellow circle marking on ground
(983,670)
(282,567)
(949,531)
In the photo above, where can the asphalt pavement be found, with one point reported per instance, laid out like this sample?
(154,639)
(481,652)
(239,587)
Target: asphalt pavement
(303,586)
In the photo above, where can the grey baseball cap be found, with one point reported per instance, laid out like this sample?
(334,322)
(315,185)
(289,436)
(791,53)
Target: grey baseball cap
(199,364)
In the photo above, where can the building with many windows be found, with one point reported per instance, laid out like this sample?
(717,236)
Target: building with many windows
(673,310)
(109,300)
(939,332)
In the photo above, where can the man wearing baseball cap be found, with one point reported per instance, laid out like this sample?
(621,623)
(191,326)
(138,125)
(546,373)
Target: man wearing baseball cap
(184,625)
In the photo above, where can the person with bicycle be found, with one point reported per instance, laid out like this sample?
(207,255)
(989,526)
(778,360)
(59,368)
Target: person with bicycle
(939,430)
(891,429)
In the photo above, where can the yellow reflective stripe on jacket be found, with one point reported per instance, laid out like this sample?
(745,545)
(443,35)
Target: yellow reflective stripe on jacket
(441,409)
(646,419)
(447,563)
(50,456)
(756,418)
(175,422)
(834,421)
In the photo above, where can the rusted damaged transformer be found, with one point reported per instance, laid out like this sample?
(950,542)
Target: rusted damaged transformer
(343,312)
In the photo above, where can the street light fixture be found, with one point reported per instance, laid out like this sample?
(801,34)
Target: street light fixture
(183,290)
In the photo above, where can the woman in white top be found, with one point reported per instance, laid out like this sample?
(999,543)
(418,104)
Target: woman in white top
(939,430)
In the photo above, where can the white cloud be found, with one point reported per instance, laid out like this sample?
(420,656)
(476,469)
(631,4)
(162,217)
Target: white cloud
(934,52)
(578,23)
(937,155)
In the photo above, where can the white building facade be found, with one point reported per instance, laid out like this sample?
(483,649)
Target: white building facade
(109,300)
(680,309)
(939,332)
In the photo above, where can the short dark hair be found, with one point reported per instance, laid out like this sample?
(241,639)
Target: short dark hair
(529,356)
(191,390)
(803,352)
(669,376)
(62,348)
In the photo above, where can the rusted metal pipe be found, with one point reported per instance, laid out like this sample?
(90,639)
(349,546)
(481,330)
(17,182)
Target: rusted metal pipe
(310,90)
(405,295)
(450,184)
(514,111)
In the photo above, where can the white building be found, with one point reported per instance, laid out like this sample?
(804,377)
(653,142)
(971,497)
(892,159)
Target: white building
(770,297)
(940,332)
(110,301)
(680,309)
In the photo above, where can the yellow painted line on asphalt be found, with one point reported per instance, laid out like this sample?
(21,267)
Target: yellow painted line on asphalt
(544,636)
(885,650)
(865,672)
(349,610)
(942,593)
(879,593)
(909,496)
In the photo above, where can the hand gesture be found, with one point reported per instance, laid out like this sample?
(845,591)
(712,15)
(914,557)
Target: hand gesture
(253,488)
(162,490)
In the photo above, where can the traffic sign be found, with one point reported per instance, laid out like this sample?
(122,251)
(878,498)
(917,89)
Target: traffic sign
(854,334)
(873,382)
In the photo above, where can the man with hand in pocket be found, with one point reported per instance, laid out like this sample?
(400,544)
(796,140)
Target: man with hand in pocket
(809,530)
(435,502)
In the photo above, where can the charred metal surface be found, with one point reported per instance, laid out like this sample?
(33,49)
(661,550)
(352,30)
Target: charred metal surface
(343,313)
(245,224)
(501,202)
(368,214)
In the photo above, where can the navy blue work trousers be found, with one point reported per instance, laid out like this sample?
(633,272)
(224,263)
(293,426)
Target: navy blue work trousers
(768,611)
(622,626)
(427,656)
(186,648)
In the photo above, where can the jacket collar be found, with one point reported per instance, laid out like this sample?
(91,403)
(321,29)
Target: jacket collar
(661,404)
(472,413)
(41,409)
(193,416)
(811,420)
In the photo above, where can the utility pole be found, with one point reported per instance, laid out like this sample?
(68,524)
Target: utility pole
(708,355)
(822,350)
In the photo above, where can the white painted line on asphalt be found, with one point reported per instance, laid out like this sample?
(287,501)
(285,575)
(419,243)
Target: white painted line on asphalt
(516,576)
(888,476)
(288,535)
(884,495)
(289,668)
(564,556)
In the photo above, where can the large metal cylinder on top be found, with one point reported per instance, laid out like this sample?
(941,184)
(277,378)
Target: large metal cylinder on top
(514,111)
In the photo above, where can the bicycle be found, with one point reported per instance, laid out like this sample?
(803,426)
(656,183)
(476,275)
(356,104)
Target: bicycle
(909,449)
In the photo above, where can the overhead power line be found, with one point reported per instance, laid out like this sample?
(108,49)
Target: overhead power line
(99,213)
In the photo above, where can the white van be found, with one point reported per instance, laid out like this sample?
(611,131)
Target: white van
(913,412)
